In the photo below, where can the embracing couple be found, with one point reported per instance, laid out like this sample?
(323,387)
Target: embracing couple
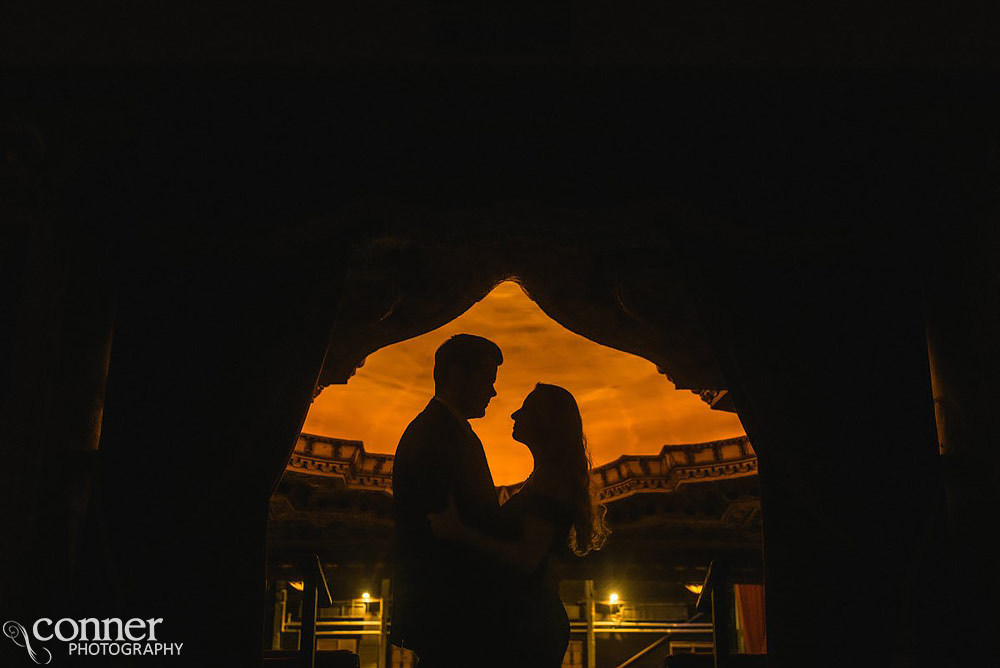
(475,583)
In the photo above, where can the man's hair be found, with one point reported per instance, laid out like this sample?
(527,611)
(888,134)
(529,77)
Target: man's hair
(465,352)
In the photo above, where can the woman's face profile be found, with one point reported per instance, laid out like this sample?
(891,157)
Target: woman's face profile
(525,418)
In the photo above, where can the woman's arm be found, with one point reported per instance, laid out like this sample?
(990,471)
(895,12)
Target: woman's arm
(524,554)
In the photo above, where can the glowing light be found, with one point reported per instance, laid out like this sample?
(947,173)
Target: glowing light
(366,597)
(694,588)
(298,584)
(613,599)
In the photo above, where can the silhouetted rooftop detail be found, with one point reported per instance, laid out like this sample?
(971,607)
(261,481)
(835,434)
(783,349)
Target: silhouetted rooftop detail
(675,465)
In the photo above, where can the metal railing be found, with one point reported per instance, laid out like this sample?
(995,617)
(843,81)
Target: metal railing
(365,622)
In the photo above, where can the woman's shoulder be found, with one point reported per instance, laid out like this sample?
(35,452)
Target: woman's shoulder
(549,504)
(556,489)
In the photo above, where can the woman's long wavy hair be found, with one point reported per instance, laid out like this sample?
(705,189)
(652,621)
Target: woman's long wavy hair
(565,430)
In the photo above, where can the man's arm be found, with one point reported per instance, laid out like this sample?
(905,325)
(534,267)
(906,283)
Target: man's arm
(422,479)
(525,553)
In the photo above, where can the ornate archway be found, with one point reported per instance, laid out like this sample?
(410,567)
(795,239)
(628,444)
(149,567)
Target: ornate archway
(599,273)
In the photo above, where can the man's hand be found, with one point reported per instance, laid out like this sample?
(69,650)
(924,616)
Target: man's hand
(447,525)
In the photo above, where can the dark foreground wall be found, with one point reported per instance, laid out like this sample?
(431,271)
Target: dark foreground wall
(201,224)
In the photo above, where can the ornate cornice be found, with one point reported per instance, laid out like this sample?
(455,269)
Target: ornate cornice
(674,466)
(342,459)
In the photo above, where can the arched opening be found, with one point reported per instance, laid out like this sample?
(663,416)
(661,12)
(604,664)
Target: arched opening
(679,480)
(628,407)
(248,336)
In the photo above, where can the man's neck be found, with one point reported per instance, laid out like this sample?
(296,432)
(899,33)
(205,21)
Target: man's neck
(451,408)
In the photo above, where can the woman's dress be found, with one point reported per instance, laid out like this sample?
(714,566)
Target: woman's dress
(541,627)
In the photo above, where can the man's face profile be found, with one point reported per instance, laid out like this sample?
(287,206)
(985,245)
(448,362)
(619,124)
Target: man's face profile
(478,389)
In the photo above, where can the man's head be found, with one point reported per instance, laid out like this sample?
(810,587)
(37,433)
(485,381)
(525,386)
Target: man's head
(465,369)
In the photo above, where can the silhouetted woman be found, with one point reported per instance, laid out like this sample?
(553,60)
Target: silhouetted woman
(553,512)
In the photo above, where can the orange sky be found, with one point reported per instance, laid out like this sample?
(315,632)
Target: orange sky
(627,407)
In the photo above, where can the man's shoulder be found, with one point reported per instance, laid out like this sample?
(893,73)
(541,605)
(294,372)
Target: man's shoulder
(432,427)
(431,418)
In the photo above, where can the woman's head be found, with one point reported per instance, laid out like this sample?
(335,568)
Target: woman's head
(549,423)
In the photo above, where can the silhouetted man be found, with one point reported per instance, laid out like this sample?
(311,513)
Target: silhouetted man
(446,601)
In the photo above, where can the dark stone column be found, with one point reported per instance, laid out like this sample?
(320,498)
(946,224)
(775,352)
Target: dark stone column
(824,350)
(217,353)
(963,331)
(61,312)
